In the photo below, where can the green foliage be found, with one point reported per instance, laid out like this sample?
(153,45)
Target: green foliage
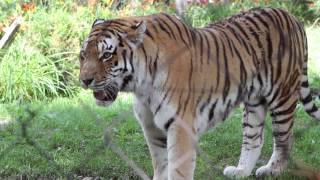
(200,16)
(29,75)
(42,61)
(197,16)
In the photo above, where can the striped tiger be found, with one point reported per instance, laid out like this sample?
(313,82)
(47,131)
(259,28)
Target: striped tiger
(186,80)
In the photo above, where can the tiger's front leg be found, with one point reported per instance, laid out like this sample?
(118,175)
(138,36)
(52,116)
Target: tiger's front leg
(156,140)
(182,150)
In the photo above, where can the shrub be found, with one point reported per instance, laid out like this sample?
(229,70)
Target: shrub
(41,62)
(27,74)
(200,16)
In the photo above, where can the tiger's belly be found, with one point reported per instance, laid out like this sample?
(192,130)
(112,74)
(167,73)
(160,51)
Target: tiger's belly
(217,110)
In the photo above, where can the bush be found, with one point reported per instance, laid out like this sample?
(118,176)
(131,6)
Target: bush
(42,61)
(27,74)
(200,16)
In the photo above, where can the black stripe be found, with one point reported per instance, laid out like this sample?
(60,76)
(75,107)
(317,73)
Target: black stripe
(208,100)
(226,75)
(278,17)
(312,110)
(229,42)
(283,133)
(216,43)
(162,27)
(253,136)
(168,27)
(193,37)
(208,48)
(281,102)
(245,124)
(239,39)
(187,32)
(274,97)
(270,52)
(124,53)
(126,80)
(252,21)
(270,16)
(131,59)
(257,16)
(202,93)
(226,112)
(176,27)
(161,142)
(145,61)
(168,123)
(280,53)
(149,34)
(305,84)
(236,24)
(211,111)
(154,27)
(155,67)
(282,121)
(285,111)
(201,48)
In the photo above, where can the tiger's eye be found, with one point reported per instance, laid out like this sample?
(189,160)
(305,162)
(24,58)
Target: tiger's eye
(106,56)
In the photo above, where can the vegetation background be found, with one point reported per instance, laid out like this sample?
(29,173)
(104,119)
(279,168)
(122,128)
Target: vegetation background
(59,132)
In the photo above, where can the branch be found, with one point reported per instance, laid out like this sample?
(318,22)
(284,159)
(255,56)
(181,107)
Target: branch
(10,31)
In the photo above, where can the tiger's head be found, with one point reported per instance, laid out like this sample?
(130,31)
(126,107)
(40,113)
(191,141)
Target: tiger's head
(107,57)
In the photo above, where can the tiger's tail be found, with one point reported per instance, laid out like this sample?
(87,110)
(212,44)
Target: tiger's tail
(305,92)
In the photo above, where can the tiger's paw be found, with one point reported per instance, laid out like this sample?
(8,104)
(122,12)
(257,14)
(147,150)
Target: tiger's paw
(235,172)
(267,171)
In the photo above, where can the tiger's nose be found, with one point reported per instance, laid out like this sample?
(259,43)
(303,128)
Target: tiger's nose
(87,82)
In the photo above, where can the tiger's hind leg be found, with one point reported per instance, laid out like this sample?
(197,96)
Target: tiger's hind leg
(282,112)
(156,140)
(252,124)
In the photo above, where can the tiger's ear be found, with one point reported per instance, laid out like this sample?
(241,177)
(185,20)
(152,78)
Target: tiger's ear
(136,33)
(98,21)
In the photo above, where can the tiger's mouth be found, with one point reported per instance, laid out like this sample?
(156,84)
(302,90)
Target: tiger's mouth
(105,98)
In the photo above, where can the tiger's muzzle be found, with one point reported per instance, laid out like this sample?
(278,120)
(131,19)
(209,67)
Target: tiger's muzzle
(107,96)
(103,94)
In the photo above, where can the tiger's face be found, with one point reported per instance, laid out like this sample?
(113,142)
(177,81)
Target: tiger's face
(106,60)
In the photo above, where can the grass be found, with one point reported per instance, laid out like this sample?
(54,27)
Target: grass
(71,132)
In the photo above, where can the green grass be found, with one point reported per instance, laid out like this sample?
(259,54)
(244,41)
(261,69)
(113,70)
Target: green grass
(71,132)
(313,34)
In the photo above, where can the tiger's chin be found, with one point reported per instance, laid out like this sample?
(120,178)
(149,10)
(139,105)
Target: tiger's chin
(104,98)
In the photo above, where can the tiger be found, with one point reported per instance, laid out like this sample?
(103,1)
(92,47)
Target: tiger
(186,80)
